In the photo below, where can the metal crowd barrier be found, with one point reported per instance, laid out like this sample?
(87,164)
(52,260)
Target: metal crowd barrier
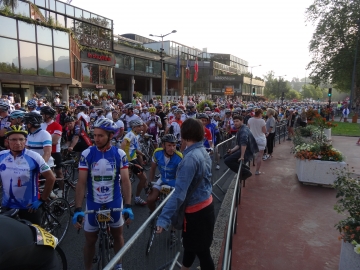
(231,229)
(281,131)
(163,254)
(219,152)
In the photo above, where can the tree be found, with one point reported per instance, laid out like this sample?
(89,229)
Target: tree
(275,86)
(10,3)
(311,91)
(334,42)
(293,94)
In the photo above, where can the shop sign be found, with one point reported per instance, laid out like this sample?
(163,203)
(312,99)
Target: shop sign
(229,91)
(224,78)
(98,57)
(99,86)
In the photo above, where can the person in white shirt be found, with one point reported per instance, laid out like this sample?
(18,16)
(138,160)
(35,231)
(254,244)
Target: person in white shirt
(108,113)
(56,99)
(145,114)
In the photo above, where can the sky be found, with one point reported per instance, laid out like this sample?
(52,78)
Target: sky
(273,34)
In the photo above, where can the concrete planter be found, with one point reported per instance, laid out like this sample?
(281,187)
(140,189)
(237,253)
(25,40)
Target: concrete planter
(327,133)
(317,171)
(349,259)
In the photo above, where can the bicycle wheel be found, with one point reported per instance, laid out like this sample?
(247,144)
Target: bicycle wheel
(151,237)
(104,253)
(61,259)
(69,173)
(69,193)
(56,218)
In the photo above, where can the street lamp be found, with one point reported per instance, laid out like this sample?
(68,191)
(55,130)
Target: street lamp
(252,76)
(162,58)
(354,69)
(282,96)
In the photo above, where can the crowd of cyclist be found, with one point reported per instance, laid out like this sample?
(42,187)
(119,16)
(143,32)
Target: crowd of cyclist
(106,140)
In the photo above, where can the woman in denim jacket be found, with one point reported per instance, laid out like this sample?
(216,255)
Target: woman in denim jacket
(199,214)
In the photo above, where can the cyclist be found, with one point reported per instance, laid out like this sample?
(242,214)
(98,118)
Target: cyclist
(4,122)
(154,123)
(162,116)
(76,139)
(99,169)
(166,159)
(191,110)
(39,140)
(130,145)
(208,142)
(20,249)
(31,104)
(19,171)
(175,124)
(129,116)
(16,117)
(116,118)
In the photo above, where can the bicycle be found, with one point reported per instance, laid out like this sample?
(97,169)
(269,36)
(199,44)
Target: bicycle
(164,192)
(103,217)
(41,234)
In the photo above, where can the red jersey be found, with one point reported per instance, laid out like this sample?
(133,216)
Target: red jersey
(54,128)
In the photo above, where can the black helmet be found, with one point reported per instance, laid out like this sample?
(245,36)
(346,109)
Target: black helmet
(82,107)
(47,111)
(202,115)
(33,118)
(171,138)
(69,119)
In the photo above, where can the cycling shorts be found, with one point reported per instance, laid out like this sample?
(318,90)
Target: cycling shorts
(159,183)
(91,224)
(57,160)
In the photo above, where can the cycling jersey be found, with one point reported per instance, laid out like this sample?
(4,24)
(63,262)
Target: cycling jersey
(103,181)
(153,125)
(167,166)
(208,137)
(4,123)
(174,127)
(126,120)
(38,140)
(20,177)
(53,128)
(132,145)
(214,130)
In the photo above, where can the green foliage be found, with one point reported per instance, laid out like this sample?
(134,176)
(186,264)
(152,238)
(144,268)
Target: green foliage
(274,86)
(200,107)
(346,129)
(8,68)
(138,95)
(118,96)
(334,42)
(311,91)
(348,194)
(293,94)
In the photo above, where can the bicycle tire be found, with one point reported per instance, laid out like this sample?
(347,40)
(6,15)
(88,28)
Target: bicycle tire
(105,252)
(69,194)
(56,218)
(62,264)
(151,238)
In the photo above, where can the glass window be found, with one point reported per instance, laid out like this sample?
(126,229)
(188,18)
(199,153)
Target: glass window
(51,18)
(70,10)
(40,3)
(156,67)
(78,27)
(45,59)
(70,23)
(60,20)
(28,58)
(86,15)
(44,35)
(51,5)
(44,14)
(62,62)
(90,73)
(61,39)
(10,29)
(106,75)
(78,13)
(86,28)
(9,60)
(22,8)
(140,64)
(60,7)
(26,31)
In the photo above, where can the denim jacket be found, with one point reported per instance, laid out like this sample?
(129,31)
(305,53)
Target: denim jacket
(195,164)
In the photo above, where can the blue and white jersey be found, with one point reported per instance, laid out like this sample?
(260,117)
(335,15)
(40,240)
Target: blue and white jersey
(103,181)
(167,166)
(38,140)
(20,177)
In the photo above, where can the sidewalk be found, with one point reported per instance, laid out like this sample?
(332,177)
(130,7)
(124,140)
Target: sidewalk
(284,225)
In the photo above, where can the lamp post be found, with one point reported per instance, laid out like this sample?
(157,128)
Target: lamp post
(252,77)
(282,98)
(354,69)
(162,59)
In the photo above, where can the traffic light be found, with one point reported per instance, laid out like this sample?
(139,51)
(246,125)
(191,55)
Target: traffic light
(330,92)
(253,91)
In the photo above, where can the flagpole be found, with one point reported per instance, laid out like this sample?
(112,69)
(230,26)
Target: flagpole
(179,70)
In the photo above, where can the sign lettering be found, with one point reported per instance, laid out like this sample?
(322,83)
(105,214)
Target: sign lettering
(98,57)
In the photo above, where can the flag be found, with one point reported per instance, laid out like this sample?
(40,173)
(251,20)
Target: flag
(187,70)
(196,68)
(178,65)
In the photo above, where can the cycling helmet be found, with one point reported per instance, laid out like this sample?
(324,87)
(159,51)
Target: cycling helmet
(47,111)
(129,106)
(222,106)
(174,107)
(145,109)
(158,107)
(107,108)
(33,118)
(4,105)
(17,114)
(227,111)
(216,114)
(171,138)
(91,107)
(207,109)
(82,107)
(69,119)
(136,111)
(16,129)
(202,115)
(136,123)
(179,111)
(99,112)
(106,124)
(152,110)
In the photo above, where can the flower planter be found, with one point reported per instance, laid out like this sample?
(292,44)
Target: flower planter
(327,133)
(349,259)
(317,171)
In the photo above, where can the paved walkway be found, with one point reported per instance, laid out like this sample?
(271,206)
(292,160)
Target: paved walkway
(284,225)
